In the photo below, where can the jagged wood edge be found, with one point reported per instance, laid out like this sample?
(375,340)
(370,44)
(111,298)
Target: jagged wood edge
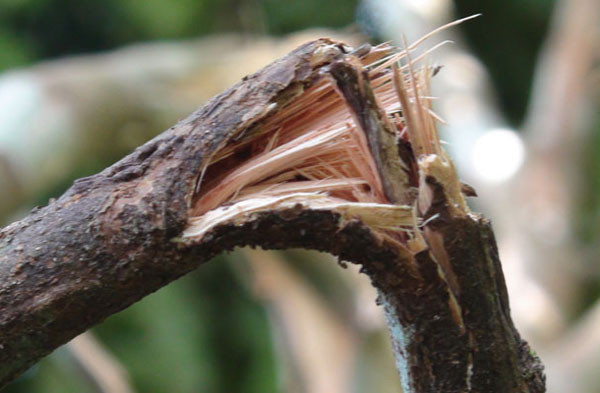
(108,241)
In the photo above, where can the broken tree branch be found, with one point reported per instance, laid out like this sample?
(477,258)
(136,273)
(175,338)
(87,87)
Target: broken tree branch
(313,151)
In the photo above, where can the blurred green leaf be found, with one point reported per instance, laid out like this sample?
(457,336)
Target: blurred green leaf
(287,16)
(14,51)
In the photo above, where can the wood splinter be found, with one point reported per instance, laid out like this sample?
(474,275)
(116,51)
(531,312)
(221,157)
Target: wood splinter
(327,148)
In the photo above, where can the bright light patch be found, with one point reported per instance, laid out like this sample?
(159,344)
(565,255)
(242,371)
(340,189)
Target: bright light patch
(19,99)
(497,155)
(428,8)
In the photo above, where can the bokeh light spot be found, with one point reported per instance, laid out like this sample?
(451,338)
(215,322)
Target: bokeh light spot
(498,155)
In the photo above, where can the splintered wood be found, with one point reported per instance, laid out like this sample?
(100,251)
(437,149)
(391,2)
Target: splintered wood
(313,152)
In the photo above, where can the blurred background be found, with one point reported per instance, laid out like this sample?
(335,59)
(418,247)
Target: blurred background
(84,82)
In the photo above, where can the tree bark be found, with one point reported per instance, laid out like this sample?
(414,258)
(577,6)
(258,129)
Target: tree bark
(115,237)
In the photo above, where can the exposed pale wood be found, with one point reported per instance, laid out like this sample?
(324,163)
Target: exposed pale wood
(117,236)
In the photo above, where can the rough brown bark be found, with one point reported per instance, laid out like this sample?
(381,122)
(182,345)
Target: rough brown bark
(114,237)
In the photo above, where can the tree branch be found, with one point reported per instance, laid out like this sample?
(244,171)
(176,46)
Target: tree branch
(223,178)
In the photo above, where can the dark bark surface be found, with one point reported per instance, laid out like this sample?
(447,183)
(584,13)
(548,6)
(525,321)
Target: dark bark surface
(112,239)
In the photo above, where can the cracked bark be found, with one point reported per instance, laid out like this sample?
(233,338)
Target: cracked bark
(115,237)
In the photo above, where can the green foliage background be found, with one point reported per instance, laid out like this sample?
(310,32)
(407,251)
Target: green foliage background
(34,29)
